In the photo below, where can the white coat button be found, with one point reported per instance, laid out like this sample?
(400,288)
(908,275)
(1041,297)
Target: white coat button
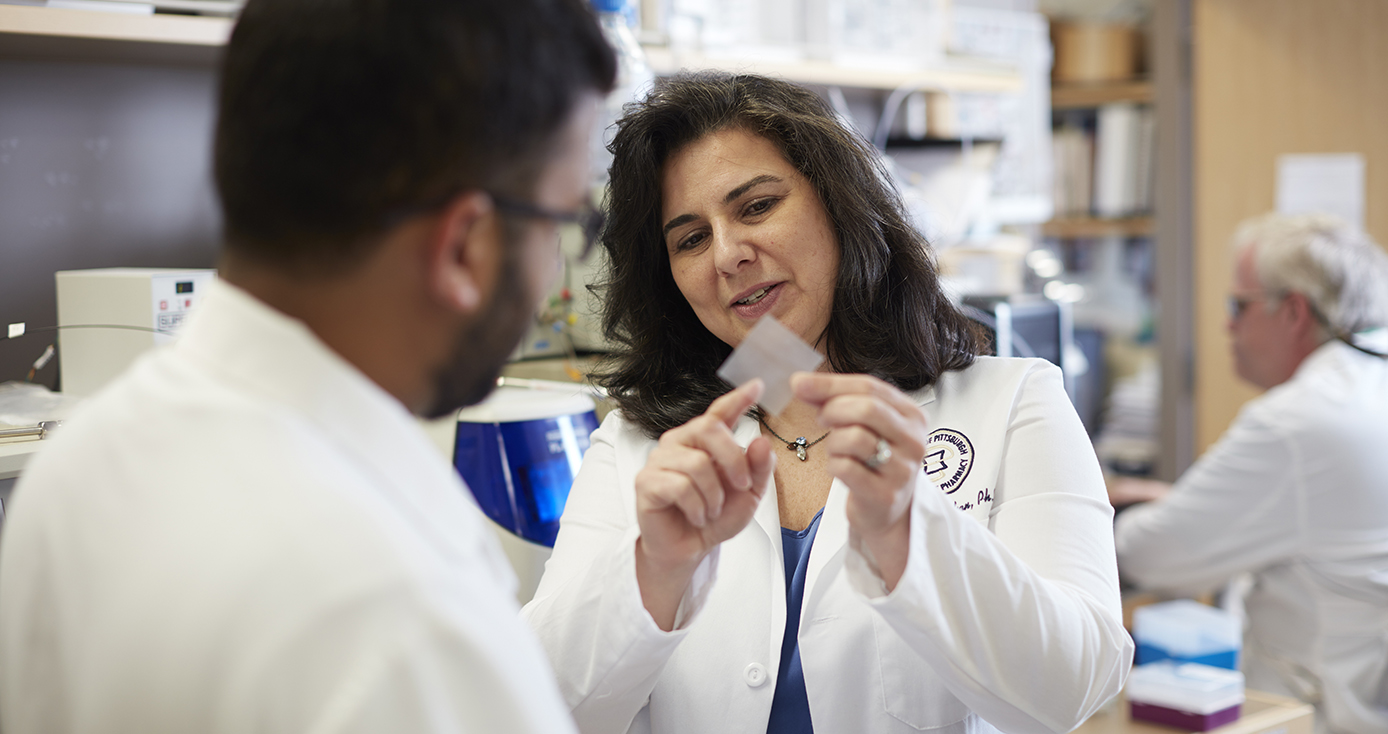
(755,675)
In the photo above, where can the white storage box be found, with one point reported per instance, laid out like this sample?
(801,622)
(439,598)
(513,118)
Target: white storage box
(1187,696)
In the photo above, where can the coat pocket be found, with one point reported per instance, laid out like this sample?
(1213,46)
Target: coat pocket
(911,691)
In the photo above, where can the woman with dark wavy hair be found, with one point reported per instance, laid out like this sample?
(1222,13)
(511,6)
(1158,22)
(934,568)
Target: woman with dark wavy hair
(939,551)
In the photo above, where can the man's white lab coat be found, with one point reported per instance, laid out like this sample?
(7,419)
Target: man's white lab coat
(1295,493)
(244,534)
(1008,612)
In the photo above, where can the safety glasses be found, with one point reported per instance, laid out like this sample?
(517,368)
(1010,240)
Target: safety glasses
(588,217)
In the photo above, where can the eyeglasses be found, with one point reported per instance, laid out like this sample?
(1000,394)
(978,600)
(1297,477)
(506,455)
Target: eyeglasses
(1237,304)
(589,218)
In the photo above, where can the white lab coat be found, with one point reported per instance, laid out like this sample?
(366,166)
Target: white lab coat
(1008,613)
(244,534)
(1296,492)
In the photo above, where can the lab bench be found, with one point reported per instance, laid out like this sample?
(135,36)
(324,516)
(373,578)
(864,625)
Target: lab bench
(14,455)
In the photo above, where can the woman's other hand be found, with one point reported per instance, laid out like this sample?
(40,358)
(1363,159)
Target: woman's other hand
(698,489)
(1124,491)
(876,449)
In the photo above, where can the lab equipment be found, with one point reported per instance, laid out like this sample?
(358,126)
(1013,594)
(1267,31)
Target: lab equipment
(1185,630)
(568,322)
(770,351)
(1188,696)
(37,433)
(519,450)
(1028,327)
(634,79)
(877,33)
(109,316)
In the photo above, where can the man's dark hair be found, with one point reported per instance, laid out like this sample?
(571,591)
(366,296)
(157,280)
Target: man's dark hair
(890,317)
(340,118)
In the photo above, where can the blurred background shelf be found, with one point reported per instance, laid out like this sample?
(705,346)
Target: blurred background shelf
(40,32)
(1073,227)
(957,74)
(56,33)
(1081,96)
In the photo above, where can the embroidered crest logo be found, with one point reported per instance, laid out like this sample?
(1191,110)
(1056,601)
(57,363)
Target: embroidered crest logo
(948,458)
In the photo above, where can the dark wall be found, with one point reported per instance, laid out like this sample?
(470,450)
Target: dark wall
(101,165)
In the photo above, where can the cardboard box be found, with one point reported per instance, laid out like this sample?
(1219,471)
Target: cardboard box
(1087,52)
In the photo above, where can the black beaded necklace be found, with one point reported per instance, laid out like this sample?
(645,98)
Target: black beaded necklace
(800,446)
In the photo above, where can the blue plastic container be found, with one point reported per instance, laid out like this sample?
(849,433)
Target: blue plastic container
(1187,631)
(519,450)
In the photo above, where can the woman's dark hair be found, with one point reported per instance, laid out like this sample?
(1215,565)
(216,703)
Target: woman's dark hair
(890,317)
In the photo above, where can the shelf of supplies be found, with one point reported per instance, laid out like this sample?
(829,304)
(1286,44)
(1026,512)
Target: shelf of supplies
(1079,96)
(953,75)
(940,142)
(1070,227)
(30,32)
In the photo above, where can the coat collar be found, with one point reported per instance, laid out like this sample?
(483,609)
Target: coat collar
(768,514)
(1334,352)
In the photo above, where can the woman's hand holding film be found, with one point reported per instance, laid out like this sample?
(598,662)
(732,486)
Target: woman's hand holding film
(876,448)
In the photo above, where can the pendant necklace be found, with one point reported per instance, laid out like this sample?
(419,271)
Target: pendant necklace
(800,446)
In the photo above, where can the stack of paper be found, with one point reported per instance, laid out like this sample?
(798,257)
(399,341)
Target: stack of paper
(1073,149)
(1107,171)
(1115,157)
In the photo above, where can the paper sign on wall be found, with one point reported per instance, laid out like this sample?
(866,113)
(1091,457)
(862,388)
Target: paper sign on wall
(1332,183)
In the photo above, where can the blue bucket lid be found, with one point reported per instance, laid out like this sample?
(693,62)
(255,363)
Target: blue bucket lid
(609,6)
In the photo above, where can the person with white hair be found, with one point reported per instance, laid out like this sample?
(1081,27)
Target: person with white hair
(1295,494)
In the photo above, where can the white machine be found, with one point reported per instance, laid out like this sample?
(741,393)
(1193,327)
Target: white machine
(108,316)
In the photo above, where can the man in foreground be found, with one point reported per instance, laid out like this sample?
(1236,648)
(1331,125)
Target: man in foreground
(249,531)
(1296,492)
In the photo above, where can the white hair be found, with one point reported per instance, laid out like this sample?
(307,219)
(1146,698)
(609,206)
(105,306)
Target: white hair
(1339,268)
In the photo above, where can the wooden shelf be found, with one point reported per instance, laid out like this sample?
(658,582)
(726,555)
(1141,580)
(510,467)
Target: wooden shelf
(1080,96)
(954,75)
(28,32)
(1261,713)
(939,142)
(1071,227)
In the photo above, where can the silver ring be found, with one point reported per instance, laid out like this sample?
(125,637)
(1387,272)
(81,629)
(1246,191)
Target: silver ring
(884,452)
